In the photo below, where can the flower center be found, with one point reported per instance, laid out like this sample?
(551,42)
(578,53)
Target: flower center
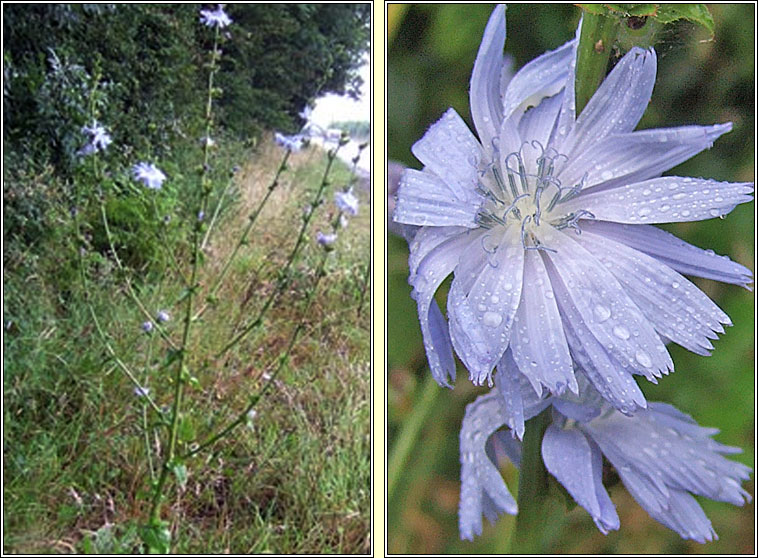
(515,195)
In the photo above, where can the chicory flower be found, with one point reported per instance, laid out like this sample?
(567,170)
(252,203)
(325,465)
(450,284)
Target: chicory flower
(150,175)
(290,143)
(531,297)
(99,139)
(347,202)
(660,454)
(215,18)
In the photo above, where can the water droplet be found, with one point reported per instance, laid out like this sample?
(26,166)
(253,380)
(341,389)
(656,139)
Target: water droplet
(685,213)
(664,208)
(621,332)
(602,313)
(495,299)
(675,285)
(606,175)
(643,358)
(679,196)
(491,319)
(644,211)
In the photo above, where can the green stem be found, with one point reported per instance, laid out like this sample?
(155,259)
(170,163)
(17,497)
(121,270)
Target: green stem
(129,289)
(243,238)
(242,417)
(180,378)
(595,45)
(410,432)
(532,489)
(332,155)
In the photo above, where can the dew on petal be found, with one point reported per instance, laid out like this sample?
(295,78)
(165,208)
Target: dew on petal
(602,313)
(621,332)
(643,358)
(491,319)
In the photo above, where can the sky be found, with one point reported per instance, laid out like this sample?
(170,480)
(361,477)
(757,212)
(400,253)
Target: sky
(339,108)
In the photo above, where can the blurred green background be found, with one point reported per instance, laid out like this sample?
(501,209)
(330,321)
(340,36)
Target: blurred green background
(700,81)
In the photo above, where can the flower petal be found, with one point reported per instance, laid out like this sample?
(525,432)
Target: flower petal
(537,125)
(538,343)
(494,296)
(577,464)
(519,400)
(432,270)
(438,346)
(669,199)
(674,252)
(466,334)
(509,388)
(675,307)
(618,104)
(426,240)
(567,114)
(480,478)
(637,156)
(485,94)
(543,77)
(425,199)
(450,150)
(676,456)
(605,307)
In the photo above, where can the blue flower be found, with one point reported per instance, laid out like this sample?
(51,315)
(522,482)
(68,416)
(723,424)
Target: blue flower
(150,175)
(215,18)
(290,143)
(99,139)
(660,454)
(327,239)
(531,297)
(347,202)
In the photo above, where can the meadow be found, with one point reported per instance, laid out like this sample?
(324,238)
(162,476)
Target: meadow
(296,479)
(186,302)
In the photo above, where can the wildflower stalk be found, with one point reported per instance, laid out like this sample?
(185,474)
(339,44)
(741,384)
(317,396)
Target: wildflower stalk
(284,273)
(129,289)
(243,238)
(283,359)
(216,212)
(167,245)
(593,52)
(532,489)
(181,375)
(97,173)
(101,333)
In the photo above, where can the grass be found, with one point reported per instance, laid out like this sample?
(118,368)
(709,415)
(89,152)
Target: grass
(296,480)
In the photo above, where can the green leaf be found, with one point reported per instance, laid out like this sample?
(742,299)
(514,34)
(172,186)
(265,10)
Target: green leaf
(156,537)
(662,13)
(696,13)
(180,472)
(620,10)
(186,429)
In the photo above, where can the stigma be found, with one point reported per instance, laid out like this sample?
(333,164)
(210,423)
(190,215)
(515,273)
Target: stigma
(515,195)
